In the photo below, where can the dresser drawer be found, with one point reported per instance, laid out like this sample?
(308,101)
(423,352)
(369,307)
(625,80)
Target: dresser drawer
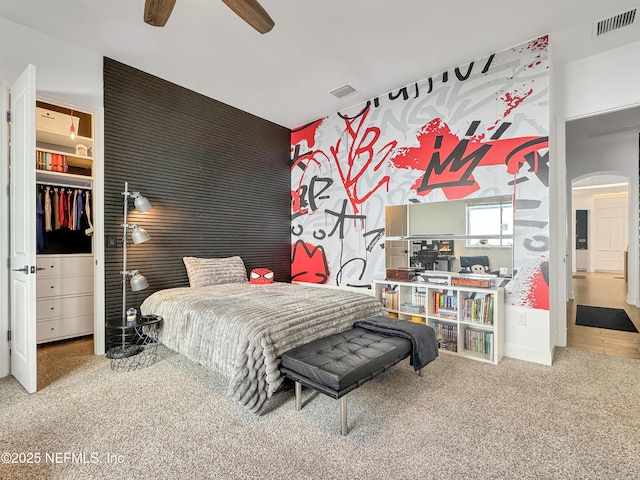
(50,330)
(64,265)
(49,308)
(53,287)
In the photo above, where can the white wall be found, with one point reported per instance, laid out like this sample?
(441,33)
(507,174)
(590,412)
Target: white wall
(601,83)
(527,334)
(615,154)
(65,74)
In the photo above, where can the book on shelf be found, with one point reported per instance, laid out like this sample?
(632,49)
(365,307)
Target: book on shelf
(478,309)
(411,308)
(447,335)
(447,331)
(448,345)
(442,300)
(447,313)
(389,297)
(479,341)
(471,282)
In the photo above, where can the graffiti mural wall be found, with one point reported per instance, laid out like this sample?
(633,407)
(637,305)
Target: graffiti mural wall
(474,131)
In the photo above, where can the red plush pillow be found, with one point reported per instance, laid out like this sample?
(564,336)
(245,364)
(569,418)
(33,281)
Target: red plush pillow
(261,275)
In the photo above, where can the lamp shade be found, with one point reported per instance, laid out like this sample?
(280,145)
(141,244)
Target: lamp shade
(139,235)
(138,282)
(141,203)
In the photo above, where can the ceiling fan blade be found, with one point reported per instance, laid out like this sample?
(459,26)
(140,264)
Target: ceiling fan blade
(252,13)
(157,12)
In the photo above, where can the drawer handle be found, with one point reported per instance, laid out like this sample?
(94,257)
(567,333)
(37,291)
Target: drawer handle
(51,286)
(52,308)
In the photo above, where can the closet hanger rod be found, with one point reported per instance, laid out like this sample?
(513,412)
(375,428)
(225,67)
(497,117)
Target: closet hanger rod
(84,186)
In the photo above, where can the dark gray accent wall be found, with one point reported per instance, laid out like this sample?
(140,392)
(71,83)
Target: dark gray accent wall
(218,179)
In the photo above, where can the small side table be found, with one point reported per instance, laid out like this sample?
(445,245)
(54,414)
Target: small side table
(135,345)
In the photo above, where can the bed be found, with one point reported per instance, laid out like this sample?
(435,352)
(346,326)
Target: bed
(240,329)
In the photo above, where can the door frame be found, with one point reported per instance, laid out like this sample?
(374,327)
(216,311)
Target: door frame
(561,269)
(5,358)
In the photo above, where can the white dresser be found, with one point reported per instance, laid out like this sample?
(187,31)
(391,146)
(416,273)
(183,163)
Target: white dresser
(64,296)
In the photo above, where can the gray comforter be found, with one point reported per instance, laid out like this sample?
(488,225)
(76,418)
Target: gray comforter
(240,330)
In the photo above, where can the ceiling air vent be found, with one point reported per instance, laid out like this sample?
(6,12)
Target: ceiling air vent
(343,91)
(614,23)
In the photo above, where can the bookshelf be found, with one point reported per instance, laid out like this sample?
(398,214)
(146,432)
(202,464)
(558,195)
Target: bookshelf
(468,320)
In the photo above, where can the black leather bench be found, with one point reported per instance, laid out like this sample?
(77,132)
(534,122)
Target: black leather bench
(339,363)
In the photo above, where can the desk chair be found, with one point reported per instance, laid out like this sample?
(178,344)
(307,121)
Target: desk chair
(475,264)
(428,258)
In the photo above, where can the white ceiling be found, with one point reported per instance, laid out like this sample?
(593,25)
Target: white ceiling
(317,45)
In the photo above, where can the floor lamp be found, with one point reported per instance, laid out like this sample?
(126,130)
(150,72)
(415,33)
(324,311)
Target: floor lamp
(138,235)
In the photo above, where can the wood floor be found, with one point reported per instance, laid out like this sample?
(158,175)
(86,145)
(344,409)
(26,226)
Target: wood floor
(602,290)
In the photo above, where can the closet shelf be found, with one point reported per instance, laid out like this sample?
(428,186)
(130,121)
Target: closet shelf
(55,138)
(61,151)
(59,179)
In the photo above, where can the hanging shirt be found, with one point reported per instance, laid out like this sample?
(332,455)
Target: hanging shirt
(69,209)
(62,209)
(87,210)
(56,209)
(40,240)
(47,210)
(79,211)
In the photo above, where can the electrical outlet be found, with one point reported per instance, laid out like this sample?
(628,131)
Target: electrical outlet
(112,241)
(522,319)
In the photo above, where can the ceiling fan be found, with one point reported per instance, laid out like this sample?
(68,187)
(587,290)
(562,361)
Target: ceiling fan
(157,12)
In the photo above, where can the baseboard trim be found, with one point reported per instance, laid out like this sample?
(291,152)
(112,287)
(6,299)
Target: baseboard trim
(529,355)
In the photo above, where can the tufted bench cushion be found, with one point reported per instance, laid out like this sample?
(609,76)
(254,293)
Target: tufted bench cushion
(341,362)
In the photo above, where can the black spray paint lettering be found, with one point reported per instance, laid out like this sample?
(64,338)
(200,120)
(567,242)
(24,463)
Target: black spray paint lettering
(308,195)
(454,162)
(341,217)
(404,92)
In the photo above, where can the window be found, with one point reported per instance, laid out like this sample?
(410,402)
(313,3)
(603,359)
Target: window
(492,220)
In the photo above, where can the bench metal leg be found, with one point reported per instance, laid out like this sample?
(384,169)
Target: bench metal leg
(343,415)
(298,395)
(420,372)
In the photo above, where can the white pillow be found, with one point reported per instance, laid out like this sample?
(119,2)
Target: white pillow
(214,271)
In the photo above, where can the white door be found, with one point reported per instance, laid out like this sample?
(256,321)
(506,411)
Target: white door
(396,251)
(611,226)
(23,230)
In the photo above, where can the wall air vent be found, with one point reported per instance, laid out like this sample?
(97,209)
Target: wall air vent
(343,91)
(616,22)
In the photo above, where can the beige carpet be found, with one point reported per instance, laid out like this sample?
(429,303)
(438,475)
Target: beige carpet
(462,419)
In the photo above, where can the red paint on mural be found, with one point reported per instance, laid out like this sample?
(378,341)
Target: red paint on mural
(309,263)
(538,294)
(448,161)
(306,132)
(512,99)
(359,157)
(540,43)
